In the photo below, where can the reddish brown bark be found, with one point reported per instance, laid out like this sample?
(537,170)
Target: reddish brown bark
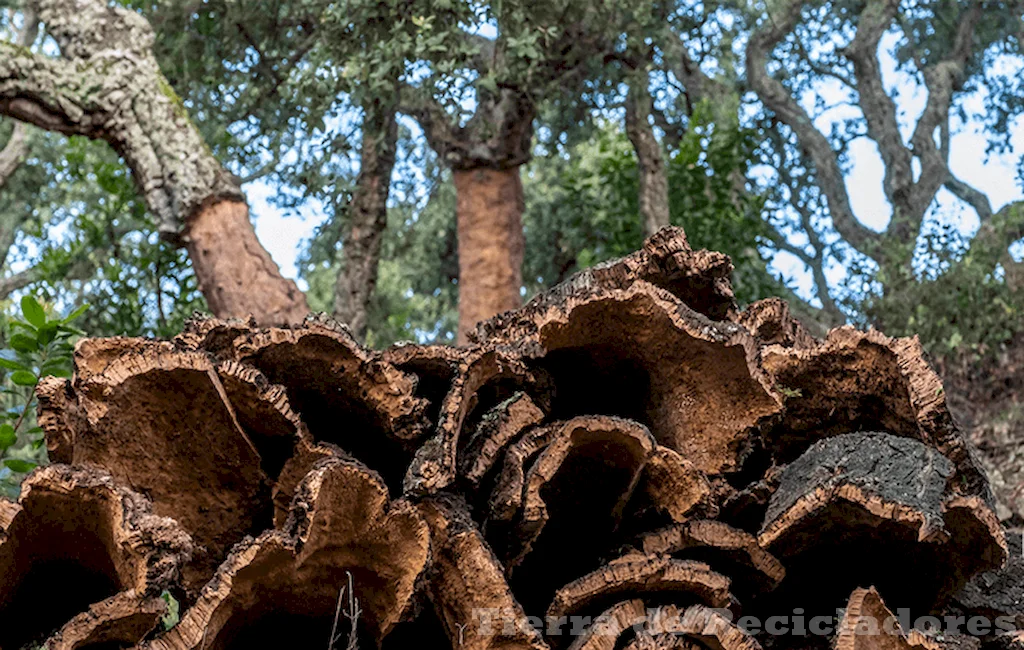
(489,211)
(236,274)
(281,451)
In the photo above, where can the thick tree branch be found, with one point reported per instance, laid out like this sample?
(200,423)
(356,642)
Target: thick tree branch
(17,147)
(816,261)
(13,154)
(20,280)
(697,85)
(878,108)
(778,99)
(498,135)
(107,85)
(943,79)
(437,125)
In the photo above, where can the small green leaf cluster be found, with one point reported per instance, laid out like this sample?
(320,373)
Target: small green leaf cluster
(37,346)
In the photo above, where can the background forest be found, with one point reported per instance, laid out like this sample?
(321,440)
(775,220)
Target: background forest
(462,155)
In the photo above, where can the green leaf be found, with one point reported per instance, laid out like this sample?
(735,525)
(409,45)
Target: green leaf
(75,314)
(21,466)
(47,333)
(24,343)
(7,436)
(24,378)
(33,311)
(11,364)
(171,618)
(23,324)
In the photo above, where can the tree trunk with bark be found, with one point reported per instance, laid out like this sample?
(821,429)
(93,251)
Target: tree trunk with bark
(236,274)
(653,193)
(626,462)
(106,55)
(489,213)
(485,156)
(366,219)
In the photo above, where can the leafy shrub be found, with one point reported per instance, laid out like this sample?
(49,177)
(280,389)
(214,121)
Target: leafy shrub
(37,346)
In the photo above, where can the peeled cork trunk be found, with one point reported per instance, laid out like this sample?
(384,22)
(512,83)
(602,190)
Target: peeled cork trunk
(236,274)
(628,461)
(490,226)
(106,55)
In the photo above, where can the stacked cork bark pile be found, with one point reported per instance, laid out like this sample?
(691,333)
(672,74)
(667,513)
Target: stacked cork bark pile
(629,442)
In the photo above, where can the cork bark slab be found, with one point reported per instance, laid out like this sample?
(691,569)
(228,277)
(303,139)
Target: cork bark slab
(639,353)
(283,587)
(346,394)
(166,421)
(698,279)
(483,379)
(730,551)
(650,578)
(466,579)
(856,381)
(100,545)
(867,624)
(886,505)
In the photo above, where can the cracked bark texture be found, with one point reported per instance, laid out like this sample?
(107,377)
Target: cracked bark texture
(653,193)
(536,481)
(107,85)
(366,219)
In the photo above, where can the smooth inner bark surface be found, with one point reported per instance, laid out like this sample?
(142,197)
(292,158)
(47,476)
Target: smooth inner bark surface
(490,223)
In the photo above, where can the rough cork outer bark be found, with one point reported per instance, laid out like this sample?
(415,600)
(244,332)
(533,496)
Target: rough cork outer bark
(342,523)
(101,543)
(163,421)
(483,378)
(466,579)
(860,381)
(489,212)
(728,550)
(634,576)
(883,501)
(999,592)
(236,274)
(696,383)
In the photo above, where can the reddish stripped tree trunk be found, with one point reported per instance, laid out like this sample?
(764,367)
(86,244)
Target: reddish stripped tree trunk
(489,211)
(236,274)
